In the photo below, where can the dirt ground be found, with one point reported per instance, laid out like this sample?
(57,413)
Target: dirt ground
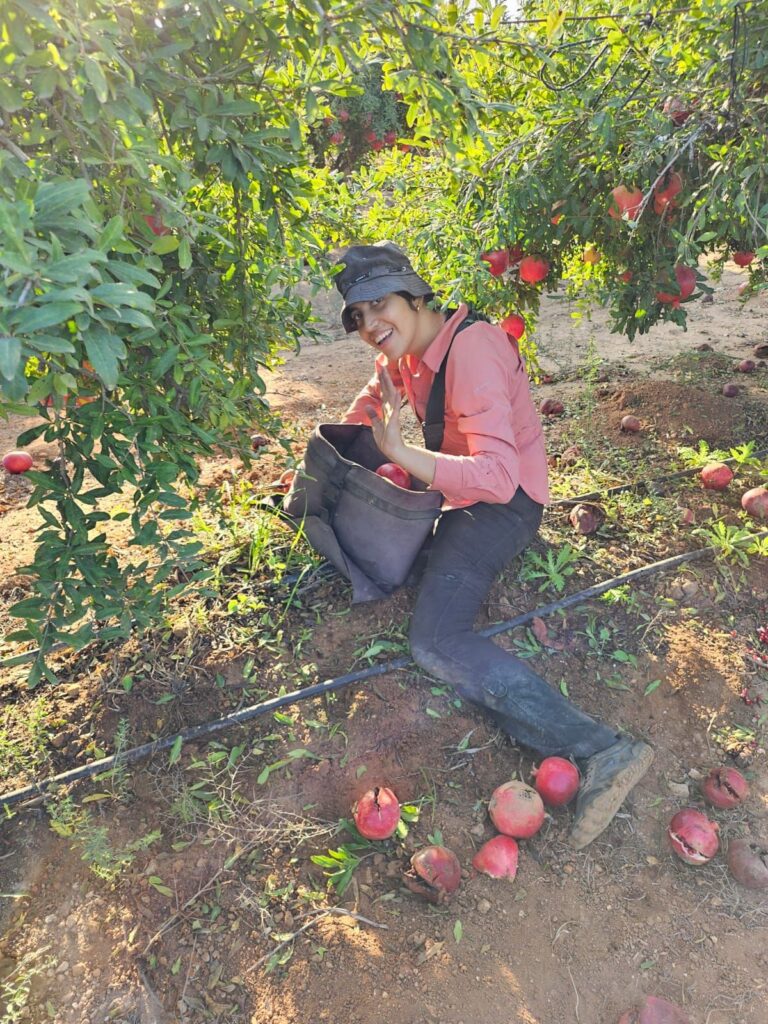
(223,917)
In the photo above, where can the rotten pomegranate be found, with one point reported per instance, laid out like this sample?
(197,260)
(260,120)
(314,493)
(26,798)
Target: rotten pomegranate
(395,474)
(533,269)
(630,424)
(725,787)
(730,390)
(716,476)
(556,781)
(748,863)
(746,366)
(17,462)
(497,260)
(514,324)
(516,810)
(497,858)
(692,836)
(585,519)
(435,873)
(654,1010)
(755,502)
(551,407)
(377,813)
(259,441)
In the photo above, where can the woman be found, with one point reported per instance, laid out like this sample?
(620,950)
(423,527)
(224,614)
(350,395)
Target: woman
(491,469)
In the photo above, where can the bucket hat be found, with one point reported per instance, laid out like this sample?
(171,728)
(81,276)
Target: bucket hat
(372,271)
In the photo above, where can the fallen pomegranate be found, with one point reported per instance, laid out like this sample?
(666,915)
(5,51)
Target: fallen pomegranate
(435,873)
(497,858)
(692,836)
(377,813)
(17,462)
(725,788)
(259,441)
(655,1010)
(730,390)
(395,474)
(748,863)
(687,517)
(514,324)
(586,519)
(625,201)
(551,407)
(516,810)
(630,424)
(556,781)
(746,366)
(498,261)
(755,502)
(743,258)
(716,476)
(533,269)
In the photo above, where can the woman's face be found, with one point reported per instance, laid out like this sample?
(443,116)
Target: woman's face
(389,325)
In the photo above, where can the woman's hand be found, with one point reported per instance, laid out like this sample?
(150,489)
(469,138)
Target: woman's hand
(386,426)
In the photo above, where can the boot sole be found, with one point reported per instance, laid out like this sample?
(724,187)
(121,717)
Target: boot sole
(600,813)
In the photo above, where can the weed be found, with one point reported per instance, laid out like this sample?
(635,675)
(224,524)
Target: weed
(554,570)
(24,739)
(732,543)
(16,986)
(342,863)
(699,456)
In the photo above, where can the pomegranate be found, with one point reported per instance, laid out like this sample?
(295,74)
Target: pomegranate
(748,862)
(730,390)
(533,269)
(625,201)
(760,351)
(664,194)
(497,260)
(497,858)
(17,462)
(586,519)
(556,781)
(630,424)
(686,283)
(516,810)
(725,787)
(746,366)
(435,873)
(626,276)
(155,224)
(336,138)
(743,258)
(515,254)
(654,1011)
(693,836)
(677,110)
(390,138)
(377,813)
(259,441)
(395,474)
(514,324)
(716,476)
(551,407)
(755,502)
(343,115)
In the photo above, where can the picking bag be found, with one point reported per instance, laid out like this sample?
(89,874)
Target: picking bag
(367,527)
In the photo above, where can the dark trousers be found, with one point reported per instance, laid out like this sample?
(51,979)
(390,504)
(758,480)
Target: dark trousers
(469,549)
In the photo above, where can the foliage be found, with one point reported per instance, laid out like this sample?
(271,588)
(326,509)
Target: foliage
(163,196)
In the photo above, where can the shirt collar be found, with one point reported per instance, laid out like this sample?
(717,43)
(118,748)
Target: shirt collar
(435,354)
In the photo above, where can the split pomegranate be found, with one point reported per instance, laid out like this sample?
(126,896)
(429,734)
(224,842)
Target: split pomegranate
(677,110)
(716,476)
(585,519)
(377,813)
(533,269)
(497,858)
(514,324)
(746,366)
(743,259)
(730,390)
(630,424)
(498,261)
(654,1010)
(516,810)
(551,407)
(748,863)
(725,787)
(435,873)
(17,462)
(556,781)
(755,502)
(625,201)
(395,474)
(692,836)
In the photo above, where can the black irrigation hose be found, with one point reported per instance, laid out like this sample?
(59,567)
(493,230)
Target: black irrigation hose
(330,685)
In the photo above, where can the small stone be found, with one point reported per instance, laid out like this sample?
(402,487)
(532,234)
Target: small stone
(483,906)
(478,831)
(63,967)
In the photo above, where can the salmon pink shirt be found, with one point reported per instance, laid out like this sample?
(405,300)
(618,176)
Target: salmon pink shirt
(493,441)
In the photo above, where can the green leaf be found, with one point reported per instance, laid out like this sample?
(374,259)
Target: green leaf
(458,931)
(654,685)
(10,99)
(10,356)
(123,295)
(113,232)
(50,343)
(104,350)
(35,318)
(95,76)
(165,245)
(54,198)
(185,254)
(175,753)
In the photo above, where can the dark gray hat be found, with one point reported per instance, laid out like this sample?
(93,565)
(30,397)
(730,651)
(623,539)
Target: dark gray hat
(372,271)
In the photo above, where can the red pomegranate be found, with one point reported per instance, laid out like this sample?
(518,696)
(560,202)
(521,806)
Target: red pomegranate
(377,813)
(395,474)
(692,836)
(743,259)
(654,1010)
(556,781)
(533,269)
(514,324)
(716,476)
(630,424)
(17,462)
(725,788)
(435,873)
(551,407)
(516,810)
(497,858)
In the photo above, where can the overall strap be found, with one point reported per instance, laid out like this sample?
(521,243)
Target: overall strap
(433,427)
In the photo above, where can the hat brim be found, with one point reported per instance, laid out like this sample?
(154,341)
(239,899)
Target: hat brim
(377,288)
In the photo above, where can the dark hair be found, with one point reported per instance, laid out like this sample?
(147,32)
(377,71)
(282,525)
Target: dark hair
(409,299)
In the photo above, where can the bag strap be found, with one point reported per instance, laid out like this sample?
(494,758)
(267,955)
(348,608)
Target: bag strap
(433,427)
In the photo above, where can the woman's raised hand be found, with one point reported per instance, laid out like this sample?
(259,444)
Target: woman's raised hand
(386,425)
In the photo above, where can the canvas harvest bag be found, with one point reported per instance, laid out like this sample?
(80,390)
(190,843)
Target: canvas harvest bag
(368,528)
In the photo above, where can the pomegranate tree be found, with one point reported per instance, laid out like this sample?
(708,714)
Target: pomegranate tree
(435,873)
(377,813)
(725,788)
(556,781)
(497,858)
(516,810)
(692,836)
